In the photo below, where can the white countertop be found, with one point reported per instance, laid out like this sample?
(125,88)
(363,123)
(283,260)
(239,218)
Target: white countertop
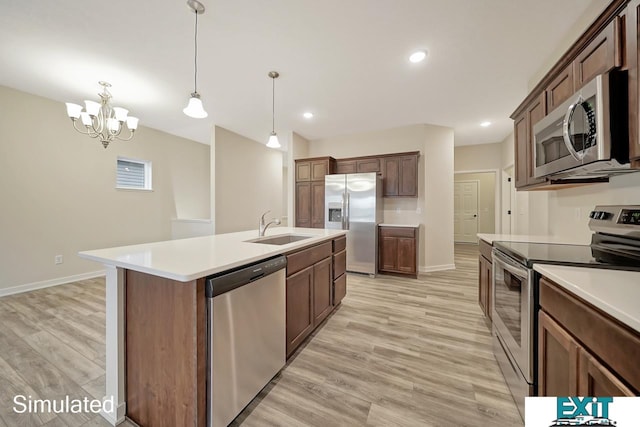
(615,292)
(574,240)
(190,259)
(399,225)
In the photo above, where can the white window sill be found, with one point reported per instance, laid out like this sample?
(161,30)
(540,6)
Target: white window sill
(134,189)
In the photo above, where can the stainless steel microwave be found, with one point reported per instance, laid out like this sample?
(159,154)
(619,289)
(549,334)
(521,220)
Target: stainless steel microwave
(587,135)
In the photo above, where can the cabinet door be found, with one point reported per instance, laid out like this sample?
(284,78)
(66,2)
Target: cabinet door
(406,255)
(633,58)
(557,359)
(560,88)
(346,166)
(368,165)
(303,171)
(319,168)
(317,204)
(594,379)
(388,256)
(322,286)
(303,204)
(299,308)
(600,56)
(520,148)
(535,112)
(339,289)
(390,176)
(484,285)
(408,176)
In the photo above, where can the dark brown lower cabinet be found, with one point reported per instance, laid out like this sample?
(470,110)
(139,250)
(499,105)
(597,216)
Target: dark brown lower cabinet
(299,310)
(339,289)
(485,276)
(581,351)
(309,301)
(322,290)
(397,250)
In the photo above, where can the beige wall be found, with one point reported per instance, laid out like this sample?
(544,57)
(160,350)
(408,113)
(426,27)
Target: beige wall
(248,182)
(433,208)
(478,157)
(59,197)
(486,198)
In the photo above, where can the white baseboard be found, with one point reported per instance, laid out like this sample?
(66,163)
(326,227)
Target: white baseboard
(48,283)
(115,418)
(432,268)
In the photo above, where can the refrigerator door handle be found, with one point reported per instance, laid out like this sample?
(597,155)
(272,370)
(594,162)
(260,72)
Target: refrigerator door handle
(343,211)
(347,214)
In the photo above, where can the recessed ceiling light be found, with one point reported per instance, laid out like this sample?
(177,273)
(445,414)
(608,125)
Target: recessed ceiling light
(485,124)
(308,115)
(418,56)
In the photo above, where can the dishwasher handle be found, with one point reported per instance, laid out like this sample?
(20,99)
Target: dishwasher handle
(227,281)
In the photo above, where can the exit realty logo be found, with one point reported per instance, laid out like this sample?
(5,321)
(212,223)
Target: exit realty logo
(582,411)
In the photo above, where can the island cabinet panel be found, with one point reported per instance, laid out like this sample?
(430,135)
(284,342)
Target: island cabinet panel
(166,345)
(322,289)
(299,308)
(313,289)
(583,351)
(339,289)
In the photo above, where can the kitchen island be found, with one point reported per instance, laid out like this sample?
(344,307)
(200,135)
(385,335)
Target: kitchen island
(159,289)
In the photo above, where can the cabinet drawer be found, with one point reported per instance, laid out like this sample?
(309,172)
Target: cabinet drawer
(397,232)
(339,264)
(307,257)
(339,244)
(602,335)
(485,249)
(339,289)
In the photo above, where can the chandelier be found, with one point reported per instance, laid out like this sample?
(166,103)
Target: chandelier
(101,120)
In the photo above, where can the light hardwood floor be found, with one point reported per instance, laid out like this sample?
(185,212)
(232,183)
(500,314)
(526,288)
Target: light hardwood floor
(398,352)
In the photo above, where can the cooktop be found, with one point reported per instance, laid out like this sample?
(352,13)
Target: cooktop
(571,255)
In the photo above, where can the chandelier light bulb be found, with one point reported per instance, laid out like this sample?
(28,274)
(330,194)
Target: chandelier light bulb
(92,108)
(73,110)
(132,122)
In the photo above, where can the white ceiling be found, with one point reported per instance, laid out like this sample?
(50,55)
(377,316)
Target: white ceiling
(346,61)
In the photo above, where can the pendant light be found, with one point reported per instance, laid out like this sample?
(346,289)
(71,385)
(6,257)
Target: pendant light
(273,138)
(194,108)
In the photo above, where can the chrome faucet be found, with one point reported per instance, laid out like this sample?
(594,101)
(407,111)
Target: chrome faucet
(262,227)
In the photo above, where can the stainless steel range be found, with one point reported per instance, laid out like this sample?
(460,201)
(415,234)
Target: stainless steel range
(615,244)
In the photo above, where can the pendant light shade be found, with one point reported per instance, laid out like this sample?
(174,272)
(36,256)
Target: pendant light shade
(273,141)
(273,137)
(195,108)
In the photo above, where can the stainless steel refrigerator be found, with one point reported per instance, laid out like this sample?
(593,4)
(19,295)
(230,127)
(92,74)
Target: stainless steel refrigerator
(354,202)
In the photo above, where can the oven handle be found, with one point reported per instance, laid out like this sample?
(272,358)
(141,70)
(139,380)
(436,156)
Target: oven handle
(511,266)
(565,129)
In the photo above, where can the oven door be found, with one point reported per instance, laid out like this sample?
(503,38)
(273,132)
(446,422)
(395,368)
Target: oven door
(513,310)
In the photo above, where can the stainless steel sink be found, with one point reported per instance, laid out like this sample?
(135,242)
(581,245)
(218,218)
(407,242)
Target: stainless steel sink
(281,239)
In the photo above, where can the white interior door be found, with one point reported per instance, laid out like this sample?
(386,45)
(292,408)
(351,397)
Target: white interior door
(465,212)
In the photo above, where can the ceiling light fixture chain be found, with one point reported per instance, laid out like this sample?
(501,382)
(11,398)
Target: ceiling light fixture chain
(195,108)
(101,120)
(273,137)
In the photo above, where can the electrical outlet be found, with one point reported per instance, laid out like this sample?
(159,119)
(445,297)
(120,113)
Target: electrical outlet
(59,259)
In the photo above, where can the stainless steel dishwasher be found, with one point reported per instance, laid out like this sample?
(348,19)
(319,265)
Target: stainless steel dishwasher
(246,335)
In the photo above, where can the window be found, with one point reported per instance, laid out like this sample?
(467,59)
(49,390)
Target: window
(133,174)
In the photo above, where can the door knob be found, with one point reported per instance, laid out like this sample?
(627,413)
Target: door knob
(475,216)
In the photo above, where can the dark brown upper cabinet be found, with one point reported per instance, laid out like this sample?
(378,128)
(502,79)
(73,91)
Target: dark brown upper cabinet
(600,56)
(560,88)
(400,176)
